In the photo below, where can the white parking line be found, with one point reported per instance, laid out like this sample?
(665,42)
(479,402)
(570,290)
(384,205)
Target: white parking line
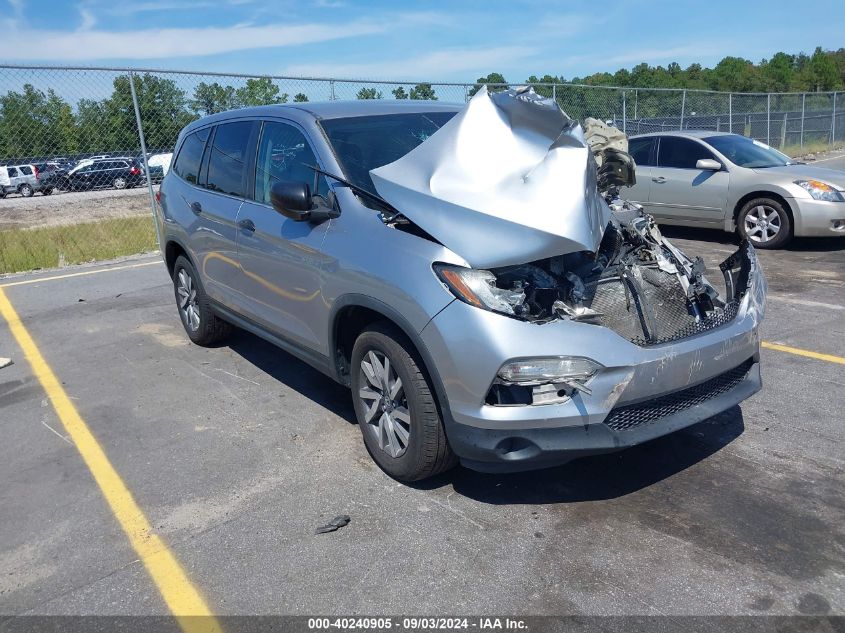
(805,302)
(79,274)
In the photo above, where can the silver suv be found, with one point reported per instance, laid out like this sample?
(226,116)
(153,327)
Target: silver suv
(399,248)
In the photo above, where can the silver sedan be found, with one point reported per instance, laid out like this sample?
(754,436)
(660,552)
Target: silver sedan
(719,180)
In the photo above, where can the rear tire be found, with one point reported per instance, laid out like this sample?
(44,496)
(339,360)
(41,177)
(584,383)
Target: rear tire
(400,422)
(765,223)
(47,191)
(119,183)
(26,191)
(202,326)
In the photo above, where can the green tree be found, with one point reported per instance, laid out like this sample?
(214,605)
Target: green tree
(822,71)
(423,92)
(369,93)
(36,124)
(162,106)
(492,78)
(212,98)
(261,91)
(399,93)
(300,97)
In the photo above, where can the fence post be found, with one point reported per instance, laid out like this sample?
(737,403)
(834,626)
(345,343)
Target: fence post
(683,106)
(331,86)
(144,152)
(769,118)
(803,101)
(833,122)
(624,113)
(636,103)
(731,112)
(554,92)
(783,130)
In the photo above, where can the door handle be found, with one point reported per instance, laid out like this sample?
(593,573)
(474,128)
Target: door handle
(659,179)
(196,207)
(247,225)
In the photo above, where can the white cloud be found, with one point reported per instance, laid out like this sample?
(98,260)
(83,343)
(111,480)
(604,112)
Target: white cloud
(440,63)
(87,45)
(88,19)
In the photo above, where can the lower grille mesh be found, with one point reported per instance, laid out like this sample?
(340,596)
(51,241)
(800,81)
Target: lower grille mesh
(628,417)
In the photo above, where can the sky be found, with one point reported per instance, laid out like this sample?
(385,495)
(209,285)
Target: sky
(456,40)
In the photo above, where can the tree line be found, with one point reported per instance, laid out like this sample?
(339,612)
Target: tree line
(35,123)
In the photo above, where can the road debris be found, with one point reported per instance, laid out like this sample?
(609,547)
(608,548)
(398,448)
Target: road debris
(333,525)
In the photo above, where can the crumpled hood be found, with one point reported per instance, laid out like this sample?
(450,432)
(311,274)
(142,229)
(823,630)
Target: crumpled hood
(508,180)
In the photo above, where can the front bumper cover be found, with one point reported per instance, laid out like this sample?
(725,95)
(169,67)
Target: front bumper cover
(470,345)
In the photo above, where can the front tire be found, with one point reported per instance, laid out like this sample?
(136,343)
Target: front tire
(119,183)
(765,223)
(46,191)
(202,326)
(395,407)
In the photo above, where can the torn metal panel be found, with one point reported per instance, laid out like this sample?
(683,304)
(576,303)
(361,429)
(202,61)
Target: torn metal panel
(509,179)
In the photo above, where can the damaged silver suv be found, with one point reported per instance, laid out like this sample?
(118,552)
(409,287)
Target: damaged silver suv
(470,272)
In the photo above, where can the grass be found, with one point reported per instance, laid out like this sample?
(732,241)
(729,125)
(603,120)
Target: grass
(56,246)
(811,147)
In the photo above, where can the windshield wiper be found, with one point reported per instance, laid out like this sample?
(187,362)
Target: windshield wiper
(364,192)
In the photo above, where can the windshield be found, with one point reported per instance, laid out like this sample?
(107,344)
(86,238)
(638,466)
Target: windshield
(747,152)
(364,143)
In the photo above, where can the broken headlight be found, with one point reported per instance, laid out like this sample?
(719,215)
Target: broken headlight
(478,288)
(820,190)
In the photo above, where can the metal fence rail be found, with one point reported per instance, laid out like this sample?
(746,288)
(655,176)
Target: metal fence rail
(66,114)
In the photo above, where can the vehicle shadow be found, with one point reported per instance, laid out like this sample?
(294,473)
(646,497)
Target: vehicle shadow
(601,477)
(294,373)
(715,236)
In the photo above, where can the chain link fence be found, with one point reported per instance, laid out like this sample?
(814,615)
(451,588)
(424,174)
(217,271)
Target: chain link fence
(55,118)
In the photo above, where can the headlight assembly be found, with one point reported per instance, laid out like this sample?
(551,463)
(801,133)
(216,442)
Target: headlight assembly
(820,190)
(478,288)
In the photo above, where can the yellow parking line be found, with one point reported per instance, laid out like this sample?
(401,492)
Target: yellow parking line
(79,274)
(804,352)
(182,598)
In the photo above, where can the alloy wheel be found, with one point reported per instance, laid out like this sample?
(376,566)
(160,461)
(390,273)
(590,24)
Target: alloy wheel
(188,308)
(385,406)
(119,183)
(762,224)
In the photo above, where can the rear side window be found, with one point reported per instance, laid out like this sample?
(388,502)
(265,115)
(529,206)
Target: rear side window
(228,158)
(680,153)
(26,170)
(187,164)
(640,150)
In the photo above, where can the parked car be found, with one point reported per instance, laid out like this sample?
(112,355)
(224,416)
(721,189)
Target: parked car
(119,173)
(22,179)
(158,164)
(477,315)
(727,181)
(51,176)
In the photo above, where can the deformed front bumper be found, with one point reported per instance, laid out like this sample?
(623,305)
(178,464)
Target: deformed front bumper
(640,394)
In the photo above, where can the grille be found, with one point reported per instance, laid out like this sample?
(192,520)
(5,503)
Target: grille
(629,417)
(658,303)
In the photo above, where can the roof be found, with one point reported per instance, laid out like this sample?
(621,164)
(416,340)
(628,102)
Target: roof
(321,110)
(686,133)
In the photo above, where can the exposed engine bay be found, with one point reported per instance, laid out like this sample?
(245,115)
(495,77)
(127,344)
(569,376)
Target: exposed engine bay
(637,284)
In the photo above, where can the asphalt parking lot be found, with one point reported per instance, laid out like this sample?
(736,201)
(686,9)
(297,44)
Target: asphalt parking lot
(236,454)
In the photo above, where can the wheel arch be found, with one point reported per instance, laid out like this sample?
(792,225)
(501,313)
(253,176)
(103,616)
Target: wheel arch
(763,194)
(172,250)
(351,314)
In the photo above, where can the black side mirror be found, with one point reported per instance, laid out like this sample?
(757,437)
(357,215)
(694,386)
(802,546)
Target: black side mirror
(292,199)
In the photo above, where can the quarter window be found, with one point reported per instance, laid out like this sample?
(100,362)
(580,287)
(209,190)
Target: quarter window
(187,164)
(26,170)
(228,157)
(283,155)
(680,153)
